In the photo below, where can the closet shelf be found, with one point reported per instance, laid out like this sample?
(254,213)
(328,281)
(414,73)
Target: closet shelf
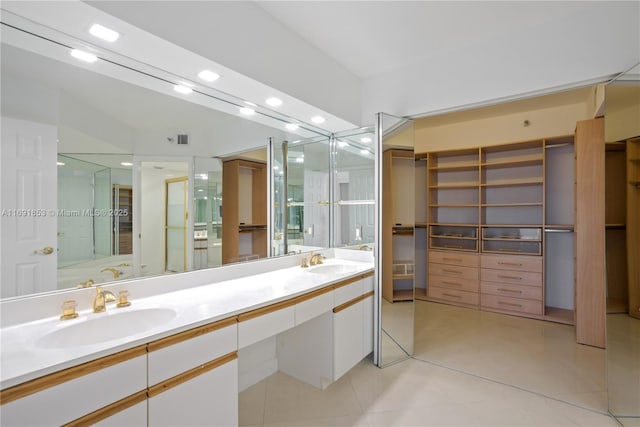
(513,182)
(515,161)
(456,166)
(506,205)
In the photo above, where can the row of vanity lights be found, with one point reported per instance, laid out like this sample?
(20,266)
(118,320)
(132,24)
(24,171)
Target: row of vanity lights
(209,76)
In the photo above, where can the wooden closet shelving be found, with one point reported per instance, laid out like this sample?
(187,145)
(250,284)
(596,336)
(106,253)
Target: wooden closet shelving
(244,210)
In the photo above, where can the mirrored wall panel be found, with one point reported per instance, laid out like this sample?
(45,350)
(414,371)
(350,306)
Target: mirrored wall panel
(396,247)
(622,187)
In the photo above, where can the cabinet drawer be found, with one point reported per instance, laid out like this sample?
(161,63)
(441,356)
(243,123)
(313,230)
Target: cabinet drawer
(76,393)
(515,305)
(453,283)
(468,273)
(515,263)
(509,290)
(510,276)
(179,353)
(451,295)
(313,307)
(348,292)
(254,329)
(454,258)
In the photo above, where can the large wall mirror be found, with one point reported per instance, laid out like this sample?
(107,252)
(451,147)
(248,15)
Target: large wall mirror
(130,179)
(622,173)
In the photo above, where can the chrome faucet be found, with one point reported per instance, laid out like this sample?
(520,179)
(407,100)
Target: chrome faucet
(316,259)
(115,272)
(101,300)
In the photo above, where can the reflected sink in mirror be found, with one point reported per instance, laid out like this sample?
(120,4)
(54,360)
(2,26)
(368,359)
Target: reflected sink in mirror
(332,269)
(106,327)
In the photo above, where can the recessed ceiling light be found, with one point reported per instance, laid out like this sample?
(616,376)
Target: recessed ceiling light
(208,75)
(318,119)
(364,151)
(200,190)
(60,163)
(296,141)
(273,101)
(299,159)
(247,111)
(182,89)
(342,144)
(104,33)
(126,164)
(291,126)
(365,139)
(83,56)
(250,103)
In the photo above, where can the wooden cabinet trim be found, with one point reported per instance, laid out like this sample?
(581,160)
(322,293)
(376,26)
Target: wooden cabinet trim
(110,410)
(352,302)
(351,280)
(266,310)
(293,301)
(38,384)
(191,333)
(313,294)
(190,374)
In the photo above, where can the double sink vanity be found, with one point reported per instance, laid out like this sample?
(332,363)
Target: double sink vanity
(187,344)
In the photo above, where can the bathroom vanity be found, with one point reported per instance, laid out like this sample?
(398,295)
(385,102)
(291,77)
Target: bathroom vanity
(172,357)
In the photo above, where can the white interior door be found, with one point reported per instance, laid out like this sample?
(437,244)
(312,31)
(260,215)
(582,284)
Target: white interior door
(28,203)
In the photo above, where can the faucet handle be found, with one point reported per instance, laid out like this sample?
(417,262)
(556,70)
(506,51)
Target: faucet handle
(304,263)
(69,310)
(123,299)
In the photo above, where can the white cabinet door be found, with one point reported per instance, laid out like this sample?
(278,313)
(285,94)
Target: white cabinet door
(210,399)
(367,327)
(135,416)
(348,327)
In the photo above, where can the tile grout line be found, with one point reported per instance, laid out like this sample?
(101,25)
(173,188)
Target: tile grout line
(514,386)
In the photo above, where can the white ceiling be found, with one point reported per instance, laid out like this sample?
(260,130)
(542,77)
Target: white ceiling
(402,57)
(354,58)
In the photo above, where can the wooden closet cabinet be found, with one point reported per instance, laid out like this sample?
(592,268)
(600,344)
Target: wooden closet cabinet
(244,210)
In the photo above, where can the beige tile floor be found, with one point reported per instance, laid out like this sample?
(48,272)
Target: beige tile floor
(623,366)
(421,393)
(538,356)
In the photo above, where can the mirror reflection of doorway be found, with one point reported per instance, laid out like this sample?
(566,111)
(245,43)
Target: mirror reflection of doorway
(175,229)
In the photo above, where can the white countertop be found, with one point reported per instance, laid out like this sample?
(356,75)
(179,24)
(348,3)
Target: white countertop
(22,359)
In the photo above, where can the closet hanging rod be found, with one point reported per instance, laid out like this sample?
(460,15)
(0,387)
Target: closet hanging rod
(564,144)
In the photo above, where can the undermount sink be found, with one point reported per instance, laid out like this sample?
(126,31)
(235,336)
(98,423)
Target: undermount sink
(332,269)
(106,327)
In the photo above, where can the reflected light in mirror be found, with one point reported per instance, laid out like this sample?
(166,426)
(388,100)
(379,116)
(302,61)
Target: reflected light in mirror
(247,111)
(104,33)
(208,75)
(291,126)
(182,89)
(273,102)
(84,56)
(318,119)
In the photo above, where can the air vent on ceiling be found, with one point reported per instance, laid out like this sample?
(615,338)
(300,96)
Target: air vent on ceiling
(183,139)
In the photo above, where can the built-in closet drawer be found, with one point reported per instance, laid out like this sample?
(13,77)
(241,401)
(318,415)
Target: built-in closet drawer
(515,263)
(510,290)
(516,305)
(468,273)
(453,283)
(454,258)
(453,296)
(510,276)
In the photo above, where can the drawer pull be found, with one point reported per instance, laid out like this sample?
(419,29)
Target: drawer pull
(510,304)
(452,259)
(451,283)
(510,290)
(451,271)
(509,277)
(453,246)
(515,264)
(451,295)
(509,250)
